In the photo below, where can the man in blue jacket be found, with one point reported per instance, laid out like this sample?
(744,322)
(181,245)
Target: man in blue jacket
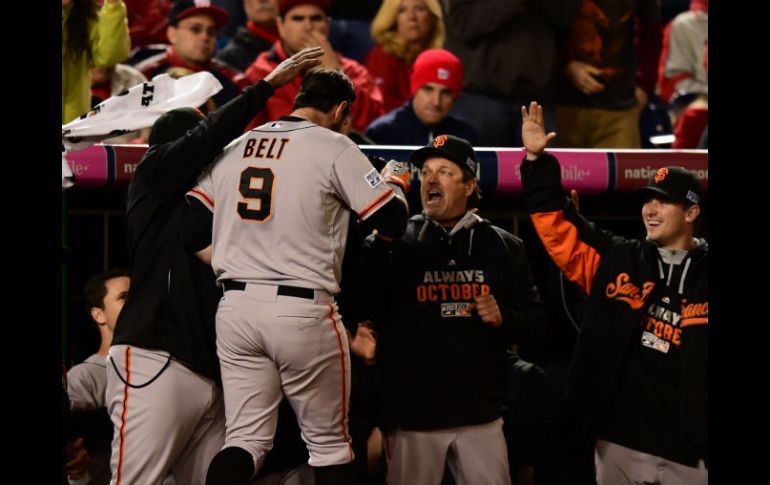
(436,80)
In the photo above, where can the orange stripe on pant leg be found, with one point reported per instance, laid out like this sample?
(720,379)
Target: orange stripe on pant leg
(344,387)
(123,415)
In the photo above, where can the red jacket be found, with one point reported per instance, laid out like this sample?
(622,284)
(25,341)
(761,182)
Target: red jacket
(367,106)
(391,75)
(147,21)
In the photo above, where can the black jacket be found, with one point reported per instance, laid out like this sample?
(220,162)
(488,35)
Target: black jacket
(173,297)
(508,48)
(443,367)
(632,308)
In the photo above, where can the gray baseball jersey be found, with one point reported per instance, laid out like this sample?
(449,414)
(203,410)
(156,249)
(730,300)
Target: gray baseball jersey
(281,193)
(87,383)
(280,196)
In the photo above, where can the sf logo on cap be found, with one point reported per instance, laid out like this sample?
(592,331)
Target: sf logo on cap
(661,175)
(439,141)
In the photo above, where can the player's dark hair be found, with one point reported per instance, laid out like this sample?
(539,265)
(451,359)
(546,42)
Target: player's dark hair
(323,89)
(96,287)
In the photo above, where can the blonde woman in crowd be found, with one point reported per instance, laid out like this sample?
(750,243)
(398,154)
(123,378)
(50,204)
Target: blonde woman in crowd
(402,30)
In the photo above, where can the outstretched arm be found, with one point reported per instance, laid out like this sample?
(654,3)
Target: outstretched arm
(533,130)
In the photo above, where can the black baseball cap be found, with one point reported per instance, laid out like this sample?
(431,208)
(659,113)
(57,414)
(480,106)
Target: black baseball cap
(451,147)
(185,8)
(173,124)
(675,183)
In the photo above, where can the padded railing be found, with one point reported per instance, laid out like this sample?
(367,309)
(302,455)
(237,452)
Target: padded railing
(588,171)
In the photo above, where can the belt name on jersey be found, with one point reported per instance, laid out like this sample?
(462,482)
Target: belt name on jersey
(261,145)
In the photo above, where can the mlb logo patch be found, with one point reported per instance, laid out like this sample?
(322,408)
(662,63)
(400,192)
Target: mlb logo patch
(277,124)
(455,309)
(373,178)
(650,341)
(442,73)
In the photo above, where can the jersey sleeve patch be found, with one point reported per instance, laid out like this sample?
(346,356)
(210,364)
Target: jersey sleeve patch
(373,178)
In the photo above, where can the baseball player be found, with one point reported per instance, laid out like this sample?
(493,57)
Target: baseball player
(105,295)
(163,392)
(280,197)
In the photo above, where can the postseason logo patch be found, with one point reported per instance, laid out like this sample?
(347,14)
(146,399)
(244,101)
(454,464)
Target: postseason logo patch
(373,178)
(649,340)
(455,309)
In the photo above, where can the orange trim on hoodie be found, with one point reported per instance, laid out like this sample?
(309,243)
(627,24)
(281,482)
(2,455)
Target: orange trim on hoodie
(577,260)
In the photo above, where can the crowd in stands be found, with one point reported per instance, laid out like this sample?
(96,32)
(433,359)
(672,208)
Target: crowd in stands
(605,71)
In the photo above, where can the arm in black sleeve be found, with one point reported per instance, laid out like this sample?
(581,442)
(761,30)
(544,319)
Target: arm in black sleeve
(195,232)
(371,277)
(523,312)
(170,169)
(390,219)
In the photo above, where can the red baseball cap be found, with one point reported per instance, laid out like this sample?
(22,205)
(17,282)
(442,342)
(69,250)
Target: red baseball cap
(286,5)
(184,8)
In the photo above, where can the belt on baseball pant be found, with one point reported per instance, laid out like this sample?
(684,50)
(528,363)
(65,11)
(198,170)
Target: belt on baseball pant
(283,290)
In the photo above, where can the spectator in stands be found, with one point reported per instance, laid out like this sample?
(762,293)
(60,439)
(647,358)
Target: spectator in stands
(683,60)
(147,21)
(349,31)
(402,30)
(604,87)
(683,73)
(89,36)
(192,33)
(257,36)
(305,23)
(237,19)
(509,50)
(436,80)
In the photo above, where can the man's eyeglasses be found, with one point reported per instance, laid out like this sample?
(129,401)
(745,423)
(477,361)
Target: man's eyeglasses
(197,29)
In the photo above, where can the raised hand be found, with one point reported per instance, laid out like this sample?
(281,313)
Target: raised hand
(533,130)
(297,64)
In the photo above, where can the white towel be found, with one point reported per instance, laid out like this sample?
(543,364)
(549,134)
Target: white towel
(135,109)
